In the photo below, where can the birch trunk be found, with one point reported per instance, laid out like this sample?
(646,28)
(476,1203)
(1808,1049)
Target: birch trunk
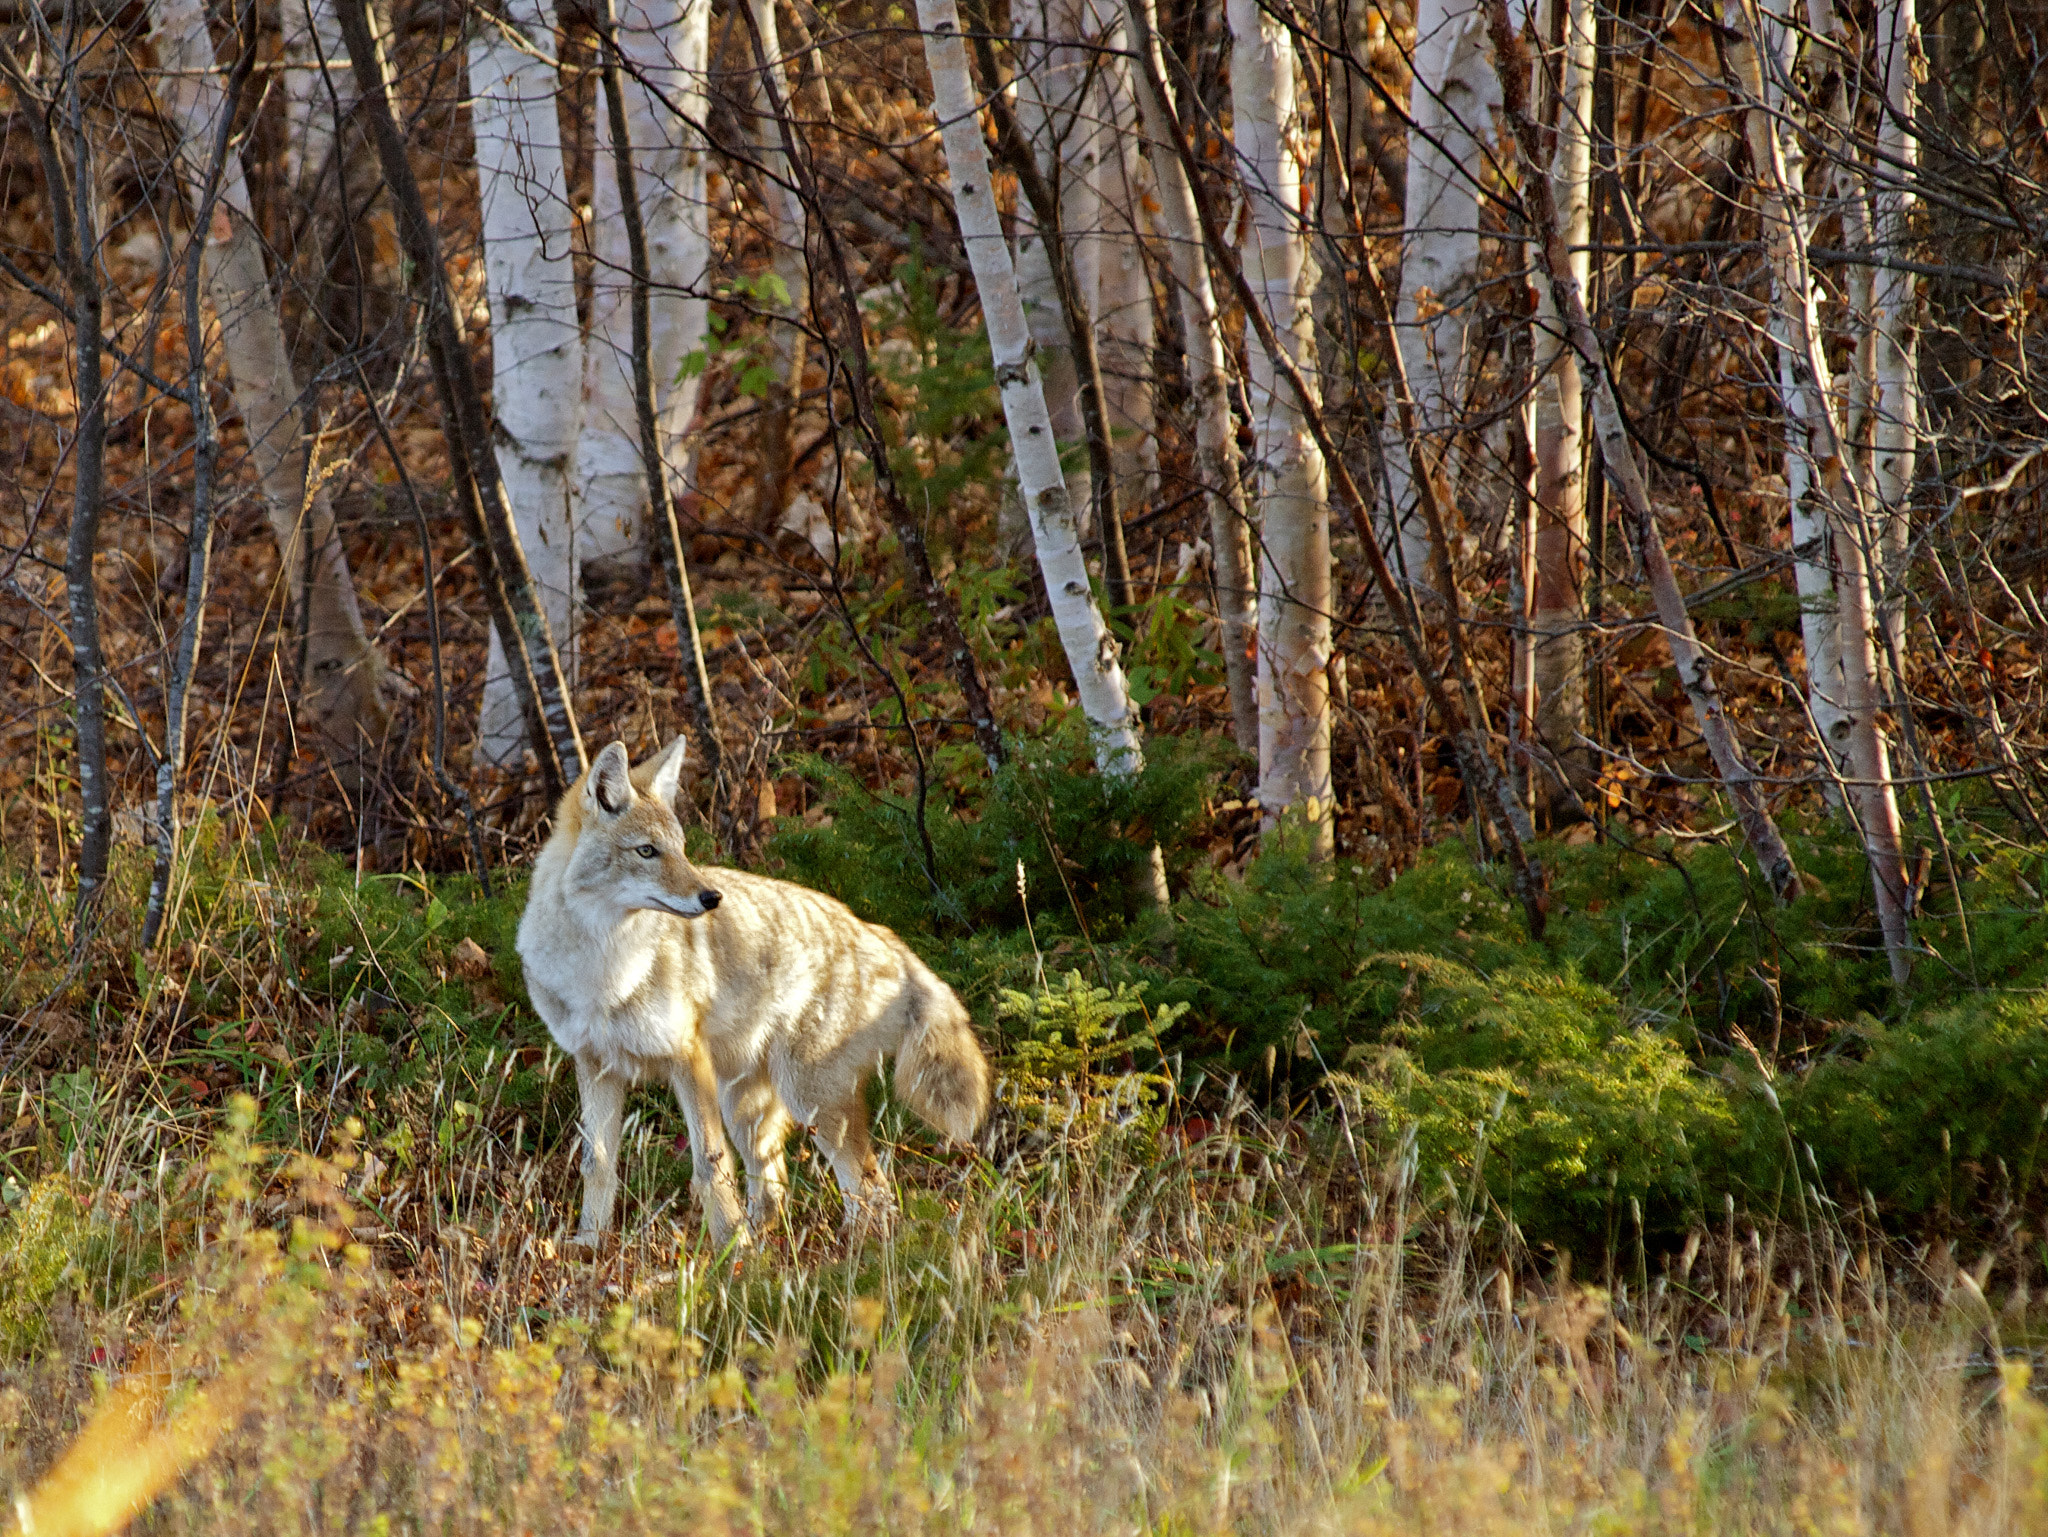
(1560,411)
(466,429)
(1896,399)
(1053,80)
(792,273)
(1123,283)
(1693,664)
(1090,648)
(666,44)
(536,342)
(1764,58)
(343,684)
(1451,101)
(1293,490)
(1216,455)
(1813,569)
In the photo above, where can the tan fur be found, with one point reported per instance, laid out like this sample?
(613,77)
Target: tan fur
(765,1006)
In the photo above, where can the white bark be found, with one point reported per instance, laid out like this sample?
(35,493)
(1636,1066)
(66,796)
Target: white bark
(1452,101)
(1216,455)
(666,43)
(1091,649)
(536,343)
(1560,408)
(1123,284)
(1896,402)
(1813,552)
(1053,111)
(1293,493)
(344,679)
(1764,59)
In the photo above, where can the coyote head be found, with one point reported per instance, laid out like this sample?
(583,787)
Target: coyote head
(629,846)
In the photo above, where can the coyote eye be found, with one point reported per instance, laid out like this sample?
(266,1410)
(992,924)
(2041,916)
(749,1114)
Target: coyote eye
(648,851)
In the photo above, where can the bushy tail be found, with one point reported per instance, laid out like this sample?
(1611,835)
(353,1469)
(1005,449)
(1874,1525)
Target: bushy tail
(940,1070)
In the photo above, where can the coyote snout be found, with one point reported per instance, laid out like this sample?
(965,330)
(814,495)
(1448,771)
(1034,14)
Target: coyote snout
(764,1005)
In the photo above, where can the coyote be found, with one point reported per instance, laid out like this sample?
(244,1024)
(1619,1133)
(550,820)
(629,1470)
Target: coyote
(763,1000)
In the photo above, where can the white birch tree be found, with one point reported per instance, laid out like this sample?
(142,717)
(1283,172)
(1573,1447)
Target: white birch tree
(1122,301)
(1091,649)
(1293,494)
(536,342)
(1216,455)
(1896,398)
(344,686)
(665,45)
(1053,82)
(1451,102)
(1559,657)
(1840,500)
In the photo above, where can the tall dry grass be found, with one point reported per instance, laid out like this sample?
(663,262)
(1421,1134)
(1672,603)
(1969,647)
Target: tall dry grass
(1099,1329)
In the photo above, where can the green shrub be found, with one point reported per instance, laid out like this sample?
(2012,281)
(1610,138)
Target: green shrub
(1573,1104)
(1939,1112)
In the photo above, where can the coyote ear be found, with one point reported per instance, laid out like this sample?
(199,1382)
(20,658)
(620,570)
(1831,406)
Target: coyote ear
(608,788)
(668,771)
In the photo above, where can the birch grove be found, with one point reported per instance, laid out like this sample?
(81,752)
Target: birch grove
(1670,379)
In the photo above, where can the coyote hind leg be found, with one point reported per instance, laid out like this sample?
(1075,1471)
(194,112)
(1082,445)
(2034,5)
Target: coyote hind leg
(841,1132)
(759,1121)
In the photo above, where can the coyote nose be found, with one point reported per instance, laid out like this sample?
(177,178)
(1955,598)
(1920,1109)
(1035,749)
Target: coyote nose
(708,900)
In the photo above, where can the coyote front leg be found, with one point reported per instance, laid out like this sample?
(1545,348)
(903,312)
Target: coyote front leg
(602,1097)
(711,1176)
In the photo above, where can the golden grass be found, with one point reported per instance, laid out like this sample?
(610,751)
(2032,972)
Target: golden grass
(1100,1333)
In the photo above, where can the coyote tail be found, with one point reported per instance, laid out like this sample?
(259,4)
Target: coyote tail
(940,1070)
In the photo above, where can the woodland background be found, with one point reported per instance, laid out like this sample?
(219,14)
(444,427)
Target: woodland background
(1433,613)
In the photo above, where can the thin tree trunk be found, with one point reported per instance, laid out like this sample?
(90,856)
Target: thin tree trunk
(343,676)
(681,600)
(1090,647)
(508,585)
(536,343)
(664,47)
(1813,570)
(1896,400)
(79,254)
(1560,652)
(1050,238)
(1123,282)
(1839,491)
(1293,488)
(1051,79)
(791,270)
(1216,456)
(1489,787)
(1695,672)
(1450,103)
(205,455)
